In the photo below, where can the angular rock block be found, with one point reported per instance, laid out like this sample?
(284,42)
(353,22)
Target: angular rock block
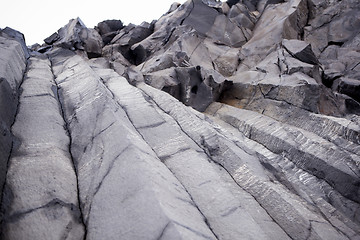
(108,29)
(76,36)
(277,21)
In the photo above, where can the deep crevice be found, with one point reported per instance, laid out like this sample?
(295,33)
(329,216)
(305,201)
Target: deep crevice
(18,215)
(129,118)
(68,133)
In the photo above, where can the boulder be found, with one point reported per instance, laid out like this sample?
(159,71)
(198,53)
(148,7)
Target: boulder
(10,33)
(109,26)
(350,87)
(91,42)
(300,50)
(75,36)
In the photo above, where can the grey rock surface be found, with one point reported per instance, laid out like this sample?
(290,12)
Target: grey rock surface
(40,197)
(220,120)
(12,68)
(129,183)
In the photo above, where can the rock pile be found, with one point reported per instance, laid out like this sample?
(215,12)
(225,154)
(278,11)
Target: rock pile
(220,120)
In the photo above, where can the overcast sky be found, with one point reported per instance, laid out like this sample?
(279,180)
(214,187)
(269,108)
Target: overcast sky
(38,19)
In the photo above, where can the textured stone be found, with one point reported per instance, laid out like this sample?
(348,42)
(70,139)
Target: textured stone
(17,36)
(129,182)
(76,36)
(246,172)
(185,160)
(40,163)
(220,120)
(12,68)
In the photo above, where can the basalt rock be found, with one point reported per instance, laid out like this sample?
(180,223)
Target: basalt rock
(220,120)
(76,36)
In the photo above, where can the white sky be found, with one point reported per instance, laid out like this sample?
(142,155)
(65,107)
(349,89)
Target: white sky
(38,19)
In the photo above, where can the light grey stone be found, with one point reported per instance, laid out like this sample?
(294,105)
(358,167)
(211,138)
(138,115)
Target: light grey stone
(247,173)
(123,185)
(187,162)
(113,124)
(12,68)
(40,194)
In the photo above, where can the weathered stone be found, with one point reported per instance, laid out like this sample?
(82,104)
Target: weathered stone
(241,16)
(350,87)
(112,52)
(130,35)
(224,31)
(17,36)
(221,210)
(278,21)
(327,169)
(127,174)
(51,39)
(40,163)
(12,68)
(109,26)
(110,137)
(300,50)
(92,42)
(75,36)
(244,173)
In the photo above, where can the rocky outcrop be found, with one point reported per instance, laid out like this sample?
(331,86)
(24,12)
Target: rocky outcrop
(13,59)
(220,120)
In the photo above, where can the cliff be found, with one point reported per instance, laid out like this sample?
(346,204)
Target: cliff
(220,120)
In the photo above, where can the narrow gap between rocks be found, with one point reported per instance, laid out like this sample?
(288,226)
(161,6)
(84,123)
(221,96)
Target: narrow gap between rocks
(66,128)
(212,160)
(191,198)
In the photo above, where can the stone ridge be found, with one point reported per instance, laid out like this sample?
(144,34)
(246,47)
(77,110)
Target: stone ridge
(220,120)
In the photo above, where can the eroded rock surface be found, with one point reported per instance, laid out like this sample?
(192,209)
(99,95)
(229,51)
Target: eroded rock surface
(220,120)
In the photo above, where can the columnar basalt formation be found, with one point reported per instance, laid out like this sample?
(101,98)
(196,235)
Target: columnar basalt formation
(220,120)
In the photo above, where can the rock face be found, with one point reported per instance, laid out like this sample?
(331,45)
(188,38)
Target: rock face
(220,120)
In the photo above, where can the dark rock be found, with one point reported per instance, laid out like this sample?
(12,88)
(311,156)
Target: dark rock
(75,36)
(109,26)
(300,50)
(17,36)
(135,77)
(92,42)
(43,49)
(51,39)
(130,35)
(232,2)
(240,14)
(201,17)
(108,37)
(109,29)
(350,87)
